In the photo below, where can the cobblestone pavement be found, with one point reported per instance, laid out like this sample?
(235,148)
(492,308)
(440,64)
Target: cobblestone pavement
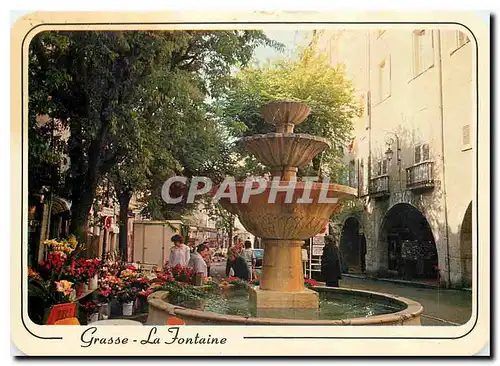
(441,306)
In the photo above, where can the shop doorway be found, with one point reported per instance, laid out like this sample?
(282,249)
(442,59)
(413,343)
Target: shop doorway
(353,246)
(411,249)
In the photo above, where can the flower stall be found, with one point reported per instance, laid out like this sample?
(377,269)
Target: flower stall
(108,288)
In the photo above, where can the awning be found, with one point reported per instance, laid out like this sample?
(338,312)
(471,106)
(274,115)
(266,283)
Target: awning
(60,205)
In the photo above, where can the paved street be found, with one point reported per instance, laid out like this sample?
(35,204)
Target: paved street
(441,306)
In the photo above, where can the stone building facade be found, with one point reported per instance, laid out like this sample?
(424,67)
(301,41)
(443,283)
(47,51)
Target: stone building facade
(412,157)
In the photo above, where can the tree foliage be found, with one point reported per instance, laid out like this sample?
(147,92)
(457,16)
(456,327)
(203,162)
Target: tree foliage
(309,79)
(134,102)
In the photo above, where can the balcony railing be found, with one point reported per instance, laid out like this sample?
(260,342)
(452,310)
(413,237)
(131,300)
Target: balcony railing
(379,186)
(420,176)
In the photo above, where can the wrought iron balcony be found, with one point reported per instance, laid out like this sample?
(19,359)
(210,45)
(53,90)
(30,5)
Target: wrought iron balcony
(379,186)
(420,176)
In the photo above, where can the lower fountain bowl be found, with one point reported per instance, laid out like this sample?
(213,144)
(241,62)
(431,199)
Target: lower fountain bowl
(405,311)
(266,217)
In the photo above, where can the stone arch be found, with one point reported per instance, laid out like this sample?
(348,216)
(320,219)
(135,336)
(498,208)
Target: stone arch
(352,245)
(407,245)
(466,247)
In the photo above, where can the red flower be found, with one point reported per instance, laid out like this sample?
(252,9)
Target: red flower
(309,282)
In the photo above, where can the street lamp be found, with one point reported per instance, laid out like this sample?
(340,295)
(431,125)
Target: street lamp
(389,140)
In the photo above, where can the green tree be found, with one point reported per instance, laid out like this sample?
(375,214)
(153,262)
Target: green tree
(309,79)
(93,80)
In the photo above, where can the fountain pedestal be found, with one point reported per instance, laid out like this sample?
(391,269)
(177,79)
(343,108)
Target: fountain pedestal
(304,299)
(282,281)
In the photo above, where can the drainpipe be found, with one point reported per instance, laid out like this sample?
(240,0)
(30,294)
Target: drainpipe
(369,112)
(443,178)
(369,162)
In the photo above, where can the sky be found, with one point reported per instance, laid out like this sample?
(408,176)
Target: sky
(290,38)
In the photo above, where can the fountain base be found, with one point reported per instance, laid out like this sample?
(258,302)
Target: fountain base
(305,299)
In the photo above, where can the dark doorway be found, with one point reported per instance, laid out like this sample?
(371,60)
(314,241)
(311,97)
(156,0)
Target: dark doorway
(466,247)
(411,249)
(353,246)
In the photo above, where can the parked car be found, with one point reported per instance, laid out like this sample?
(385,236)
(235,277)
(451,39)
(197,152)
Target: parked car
(259,254)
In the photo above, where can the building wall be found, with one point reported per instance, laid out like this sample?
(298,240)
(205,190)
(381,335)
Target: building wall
(423,97)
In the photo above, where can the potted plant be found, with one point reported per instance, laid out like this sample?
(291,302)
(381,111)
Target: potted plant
(91,308)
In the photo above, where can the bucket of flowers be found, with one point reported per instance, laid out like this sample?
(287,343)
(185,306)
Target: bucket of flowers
(110,286)
(104,298)
(63,291)
(126,298)
(309,282)
(79,269)
(142,300)
(141,284)
(92,266)
(182,274)
(91,308)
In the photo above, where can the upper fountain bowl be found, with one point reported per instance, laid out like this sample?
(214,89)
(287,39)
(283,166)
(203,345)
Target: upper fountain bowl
(285,114)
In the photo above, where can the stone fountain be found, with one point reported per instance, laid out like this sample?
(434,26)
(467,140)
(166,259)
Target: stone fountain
(283,226)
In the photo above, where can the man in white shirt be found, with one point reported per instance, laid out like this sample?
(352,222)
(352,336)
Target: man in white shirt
(179,253)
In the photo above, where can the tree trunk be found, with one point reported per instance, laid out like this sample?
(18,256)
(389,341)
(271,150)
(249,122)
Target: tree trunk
(124,199)
(231,229)
(80,208)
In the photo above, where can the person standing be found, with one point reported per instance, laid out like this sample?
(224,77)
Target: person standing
(305,258)
(197,262)
(330,263)
(208,258)
(179,253)
(249,257)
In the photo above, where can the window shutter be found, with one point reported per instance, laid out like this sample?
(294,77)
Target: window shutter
(417,154)
(425,152)
(466,135)
(384,166)
(379,168)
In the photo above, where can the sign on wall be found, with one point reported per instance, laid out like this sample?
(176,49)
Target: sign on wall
(317,249)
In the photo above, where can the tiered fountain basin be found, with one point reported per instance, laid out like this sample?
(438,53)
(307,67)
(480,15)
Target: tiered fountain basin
(338,306)
(280,150)
(283,226)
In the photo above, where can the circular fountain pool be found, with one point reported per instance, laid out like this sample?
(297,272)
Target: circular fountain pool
(337,307)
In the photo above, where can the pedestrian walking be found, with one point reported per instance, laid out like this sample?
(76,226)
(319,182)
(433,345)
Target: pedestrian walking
(179,253)
(330,263)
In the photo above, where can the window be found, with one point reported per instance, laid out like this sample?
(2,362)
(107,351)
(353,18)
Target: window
(421,153)
(381,167)
(423,51)
(352,174)
(384,79)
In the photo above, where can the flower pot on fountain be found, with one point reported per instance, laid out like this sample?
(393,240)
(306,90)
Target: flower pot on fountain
(285,218)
